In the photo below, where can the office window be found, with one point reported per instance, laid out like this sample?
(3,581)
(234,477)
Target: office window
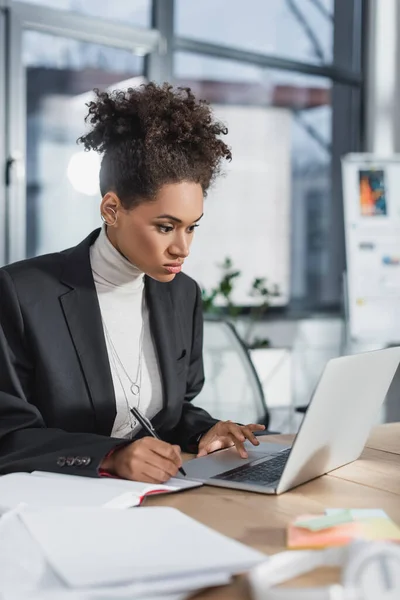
(132,12)
(301,30)
(271,214)
(62,181)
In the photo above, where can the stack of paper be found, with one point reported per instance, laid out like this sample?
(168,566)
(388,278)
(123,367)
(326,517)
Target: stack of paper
(48,489)
(101,554)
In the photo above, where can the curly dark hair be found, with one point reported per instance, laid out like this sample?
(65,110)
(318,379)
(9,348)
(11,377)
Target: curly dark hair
(150,136)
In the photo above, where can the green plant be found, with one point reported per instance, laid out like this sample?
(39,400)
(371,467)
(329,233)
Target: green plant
(218,300)
(223,291)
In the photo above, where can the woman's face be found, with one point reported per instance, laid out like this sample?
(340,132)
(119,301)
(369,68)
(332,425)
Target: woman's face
(156,235)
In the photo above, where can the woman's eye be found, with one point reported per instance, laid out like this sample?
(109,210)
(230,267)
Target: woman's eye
(169,228)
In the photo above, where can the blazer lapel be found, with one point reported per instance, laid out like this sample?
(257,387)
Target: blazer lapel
(162,323)
(82,313)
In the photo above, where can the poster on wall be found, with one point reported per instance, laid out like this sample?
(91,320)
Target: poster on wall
(371,197)
(372,192)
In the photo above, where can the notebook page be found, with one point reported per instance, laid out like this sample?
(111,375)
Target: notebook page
(17,488)
(172,485)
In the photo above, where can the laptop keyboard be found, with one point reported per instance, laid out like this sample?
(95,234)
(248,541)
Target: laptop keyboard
(263,473)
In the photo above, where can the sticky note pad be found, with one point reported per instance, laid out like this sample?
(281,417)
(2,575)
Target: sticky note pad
(326,521)
(359,513)
(338,527)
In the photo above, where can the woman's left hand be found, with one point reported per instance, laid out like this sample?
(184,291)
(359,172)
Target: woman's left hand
(225,434)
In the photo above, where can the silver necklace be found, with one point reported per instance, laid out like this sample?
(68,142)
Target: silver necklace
(134,385)
(130,421)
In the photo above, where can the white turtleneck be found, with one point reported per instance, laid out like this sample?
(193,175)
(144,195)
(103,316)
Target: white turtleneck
(120,290)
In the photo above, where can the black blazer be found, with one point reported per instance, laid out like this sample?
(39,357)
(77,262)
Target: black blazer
(57,402)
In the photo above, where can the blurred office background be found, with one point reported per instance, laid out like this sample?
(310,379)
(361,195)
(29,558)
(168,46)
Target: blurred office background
(299,83)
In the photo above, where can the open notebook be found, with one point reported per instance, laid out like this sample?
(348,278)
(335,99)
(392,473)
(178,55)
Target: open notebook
(40,489)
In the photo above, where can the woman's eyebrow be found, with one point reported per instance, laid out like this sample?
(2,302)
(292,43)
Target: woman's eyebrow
(172,218)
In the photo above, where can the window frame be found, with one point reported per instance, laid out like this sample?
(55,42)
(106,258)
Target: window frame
(20,17)
(347,84)
(3,123)
(159,46)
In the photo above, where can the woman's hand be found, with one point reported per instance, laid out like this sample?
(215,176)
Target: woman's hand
(225,434)
(147,459)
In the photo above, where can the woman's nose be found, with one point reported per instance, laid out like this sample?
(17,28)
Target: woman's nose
(180,248)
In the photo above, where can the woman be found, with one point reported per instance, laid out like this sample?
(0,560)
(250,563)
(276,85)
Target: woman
(88,333)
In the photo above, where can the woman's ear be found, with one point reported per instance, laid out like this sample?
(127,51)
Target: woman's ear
(109,208)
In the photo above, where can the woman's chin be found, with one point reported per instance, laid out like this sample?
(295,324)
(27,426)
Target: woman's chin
(162,277)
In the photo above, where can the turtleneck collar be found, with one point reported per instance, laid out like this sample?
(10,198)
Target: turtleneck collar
(112,269)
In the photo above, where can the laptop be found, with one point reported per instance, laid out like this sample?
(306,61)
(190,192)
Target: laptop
(335,428)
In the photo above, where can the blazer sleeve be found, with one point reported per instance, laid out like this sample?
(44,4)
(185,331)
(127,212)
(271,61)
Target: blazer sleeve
(194,420)
(26,444)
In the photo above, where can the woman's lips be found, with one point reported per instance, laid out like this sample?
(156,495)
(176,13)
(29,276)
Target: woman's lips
(173,268)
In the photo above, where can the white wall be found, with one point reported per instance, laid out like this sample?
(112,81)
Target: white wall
(247,212)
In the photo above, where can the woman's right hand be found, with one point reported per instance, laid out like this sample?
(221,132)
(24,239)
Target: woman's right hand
(147,459)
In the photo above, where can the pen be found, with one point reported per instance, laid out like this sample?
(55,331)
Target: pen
(146,424)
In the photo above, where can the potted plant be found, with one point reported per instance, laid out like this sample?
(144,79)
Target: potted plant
(218,301)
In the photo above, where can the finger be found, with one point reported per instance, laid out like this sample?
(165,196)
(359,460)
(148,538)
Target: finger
(178,452)
(247,432)
(236,431)
(239,447)
(202,452)
(165,450)
(255,426)
(146,478)
(137,471)
(154,466)
(222,442)
(156,474)
(148,468)
(148,453)
(166,465)
(236,435)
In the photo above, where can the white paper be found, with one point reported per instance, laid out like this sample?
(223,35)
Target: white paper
(39,492)
(178,585)
(172,485)
(103,547)
(69,490)
(23,567)
(83,595)
(25,574)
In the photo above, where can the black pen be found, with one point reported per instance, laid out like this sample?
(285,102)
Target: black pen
(146,424)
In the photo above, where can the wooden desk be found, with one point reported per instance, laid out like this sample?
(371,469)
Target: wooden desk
(260,521)
(386,438)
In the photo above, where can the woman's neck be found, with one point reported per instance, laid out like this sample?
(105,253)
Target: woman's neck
(110,266)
